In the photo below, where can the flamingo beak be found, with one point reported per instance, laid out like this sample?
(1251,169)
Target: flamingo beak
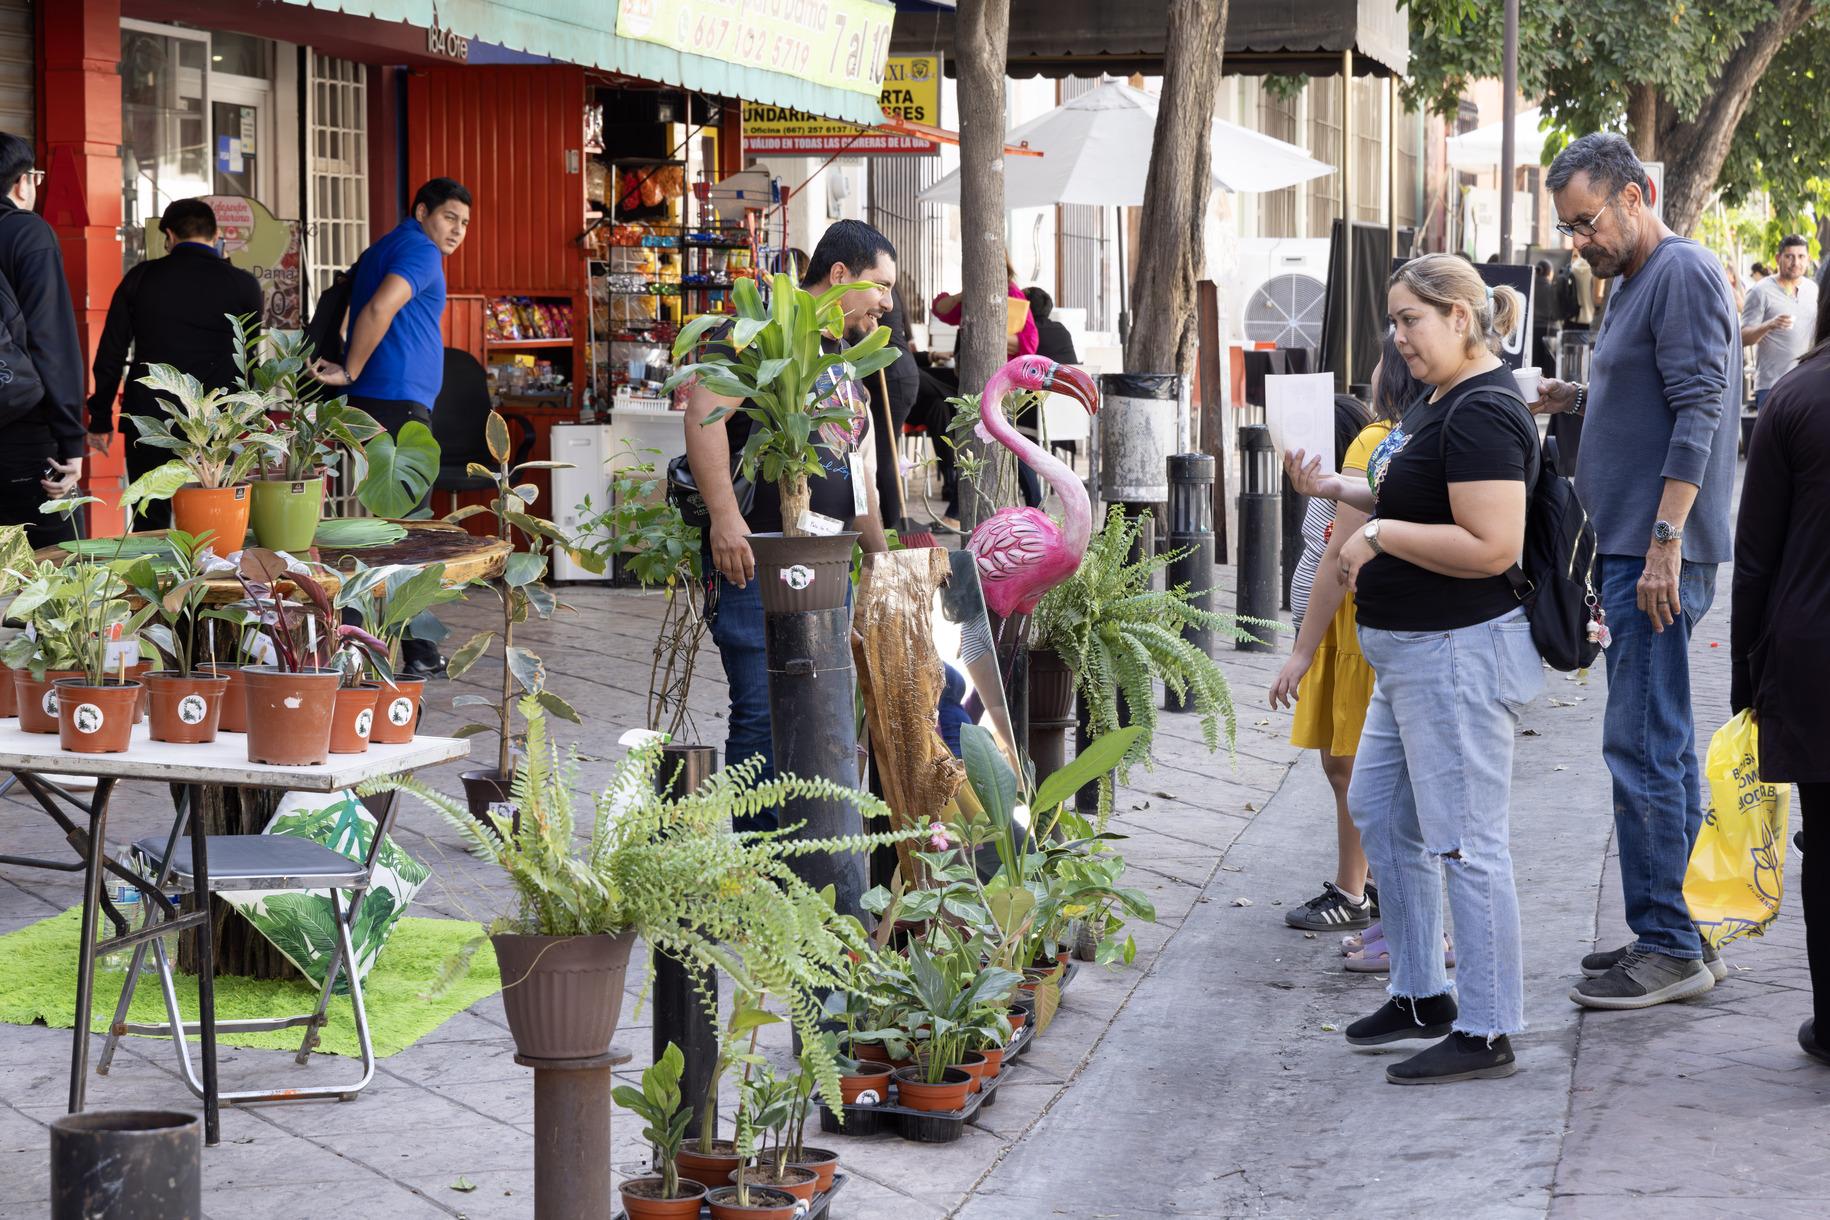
(1077,384)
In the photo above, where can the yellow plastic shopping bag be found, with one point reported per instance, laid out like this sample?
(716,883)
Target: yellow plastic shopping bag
(1738,866)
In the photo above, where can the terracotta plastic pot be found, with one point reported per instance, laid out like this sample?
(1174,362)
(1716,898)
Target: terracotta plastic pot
(823,1161)
(285,513)
(289,715)
(9,697)
(397,711)
(562,994)
(766,1203)
(234,717)
(355,713)
(874,1080)
(870,1052)
(916,1094)
(802,573)
(137,673)
(713,1166)
(796,1181)
(994,1063)
(974,1065)
(1018,1017)
(96,719)
(185,709)
(642,1200)
(37,701)
(221,512)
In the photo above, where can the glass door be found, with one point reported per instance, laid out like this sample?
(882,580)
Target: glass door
(165,126)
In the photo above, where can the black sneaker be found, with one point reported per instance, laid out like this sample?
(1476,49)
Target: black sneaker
(1798,841)
(1372,896)
(1401,1019)
(1457,1057)
(1808,1043)
(1597,964)
(1331,910)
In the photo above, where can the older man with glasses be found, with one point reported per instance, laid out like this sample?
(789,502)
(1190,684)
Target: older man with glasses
(1656,472)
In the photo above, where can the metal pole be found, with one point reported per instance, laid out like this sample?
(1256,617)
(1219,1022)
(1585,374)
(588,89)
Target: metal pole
(1347,221)
(1391,165)
(572,1135)
(1257,592)
(811,719)
(680,1014)
(1509,110)
(1191,536)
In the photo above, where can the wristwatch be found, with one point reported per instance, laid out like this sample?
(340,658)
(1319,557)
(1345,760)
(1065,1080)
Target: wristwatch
(1664,531)
(1371,534)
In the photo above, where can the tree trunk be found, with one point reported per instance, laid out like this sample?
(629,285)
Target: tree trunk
(240,949)
(1642,121)
(1693,151)
(796,498)
(1171,255)
(979,46)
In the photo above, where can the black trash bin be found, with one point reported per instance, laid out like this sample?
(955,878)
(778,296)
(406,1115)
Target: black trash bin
(127,1165)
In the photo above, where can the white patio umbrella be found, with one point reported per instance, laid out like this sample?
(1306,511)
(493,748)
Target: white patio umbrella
(1480,148)
(1096,150)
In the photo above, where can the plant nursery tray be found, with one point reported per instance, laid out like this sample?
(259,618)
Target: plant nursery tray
(817,1211)
(922,1126)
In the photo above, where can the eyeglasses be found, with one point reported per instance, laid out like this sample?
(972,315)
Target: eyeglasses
(1582,228)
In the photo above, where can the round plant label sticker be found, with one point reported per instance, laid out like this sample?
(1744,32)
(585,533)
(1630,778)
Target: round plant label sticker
(86,717)
(192,709)
(364,719)
(49,704)
(797,577)
(869,1097)
(400,711)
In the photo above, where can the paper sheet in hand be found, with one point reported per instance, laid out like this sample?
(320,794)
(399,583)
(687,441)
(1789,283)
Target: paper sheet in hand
(1299,407)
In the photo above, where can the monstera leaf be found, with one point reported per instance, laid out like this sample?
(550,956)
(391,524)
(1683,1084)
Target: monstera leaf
(401,472)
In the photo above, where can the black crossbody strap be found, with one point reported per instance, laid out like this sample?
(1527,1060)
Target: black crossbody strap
(1515,575)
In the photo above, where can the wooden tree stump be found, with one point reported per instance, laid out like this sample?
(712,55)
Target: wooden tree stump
(240,949)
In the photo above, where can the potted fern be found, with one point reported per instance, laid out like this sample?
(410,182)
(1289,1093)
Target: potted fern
(1118,635)
(774,357)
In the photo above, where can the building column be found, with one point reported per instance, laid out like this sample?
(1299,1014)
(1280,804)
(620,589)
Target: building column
(79,145)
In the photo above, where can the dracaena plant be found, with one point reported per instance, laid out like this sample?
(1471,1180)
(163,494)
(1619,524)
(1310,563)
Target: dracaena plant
(218,436)
(301,433)
(521,593)
(773,358)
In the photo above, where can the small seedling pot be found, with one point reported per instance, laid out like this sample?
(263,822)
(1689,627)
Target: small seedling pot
(354,717)
(796,1181)
(917,1094)
(823,1161)
(186,710)
(994,1063)
(289,715)
(974,1065)
(397,711)
(96,719)
(766,1203)
(234,715)
(642,1200)
(713,1166)
(873,1079)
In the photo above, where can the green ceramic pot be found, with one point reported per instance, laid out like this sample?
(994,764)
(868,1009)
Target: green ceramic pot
(285,513)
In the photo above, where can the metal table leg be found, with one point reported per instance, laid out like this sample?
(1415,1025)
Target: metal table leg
(206,966)
(91,848)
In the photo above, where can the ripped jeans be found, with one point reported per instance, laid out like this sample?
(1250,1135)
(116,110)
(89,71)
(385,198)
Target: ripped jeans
(1431,786)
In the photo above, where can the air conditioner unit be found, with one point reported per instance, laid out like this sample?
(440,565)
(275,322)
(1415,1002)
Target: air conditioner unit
(1280,291)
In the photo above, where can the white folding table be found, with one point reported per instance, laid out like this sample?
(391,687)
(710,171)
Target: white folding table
(36,757)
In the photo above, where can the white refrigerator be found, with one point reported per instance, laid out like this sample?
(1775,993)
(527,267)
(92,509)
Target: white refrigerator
(594,450)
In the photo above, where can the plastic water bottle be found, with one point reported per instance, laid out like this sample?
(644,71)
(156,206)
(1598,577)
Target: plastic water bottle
(126,900)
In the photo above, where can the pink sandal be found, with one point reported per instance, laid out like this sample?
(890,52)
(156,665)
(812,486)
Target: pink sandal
(1375,958)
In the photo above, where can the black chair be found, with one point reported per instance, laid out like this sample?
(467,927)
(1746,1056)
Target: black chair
(460,420)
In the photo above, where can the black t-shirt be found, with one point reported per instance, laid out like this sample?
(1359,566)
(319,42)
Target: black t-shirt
(1410,474)
(831,494)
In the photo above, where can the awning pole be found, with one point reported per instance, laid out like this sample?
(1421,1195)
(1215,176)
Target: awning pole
(1391,163)
(1347,221)
(1509,111)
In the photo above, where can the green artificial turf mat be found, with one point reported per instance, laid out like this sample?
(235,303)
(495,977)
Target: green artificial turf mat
(38,984)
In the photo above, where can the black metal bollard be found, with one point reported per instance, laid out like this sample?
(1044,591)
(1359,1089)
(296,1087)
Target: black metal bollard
(1258,586)
(680,1015)
(127,1165)
(812,718)
(1191,535)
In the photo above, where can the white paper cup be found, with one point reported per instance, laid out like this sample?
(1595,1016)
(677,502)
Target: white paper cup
(1528,383)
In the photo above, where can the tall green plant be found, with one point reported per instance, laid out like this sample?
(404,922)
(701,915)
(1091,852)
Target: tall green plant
(773,358)
(658,1104)
(1120,635)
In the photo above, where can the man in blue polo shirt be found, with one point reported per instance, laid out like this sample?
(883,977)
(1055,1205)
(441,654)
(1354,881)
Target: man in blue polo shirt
(394,359)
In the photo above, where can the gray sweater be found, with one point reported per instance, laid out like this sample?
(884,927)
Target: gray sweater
(1664,402)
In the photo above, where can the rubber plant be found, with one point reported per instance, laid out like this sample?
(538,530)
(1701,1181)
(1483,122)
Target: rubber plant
(521,594)
(1120,635)
(773,358)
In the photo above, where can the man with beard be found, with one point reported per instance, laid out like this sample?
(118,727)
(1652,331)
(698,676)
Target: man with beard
(850,252)
(1656,472)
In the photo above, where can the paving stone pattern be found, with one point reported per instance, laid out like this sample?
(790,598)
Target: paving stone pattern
(1199,1082)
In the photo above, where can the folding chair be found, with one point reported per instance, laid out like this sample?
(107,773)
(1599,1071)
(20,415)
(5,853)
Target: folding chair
(262,862)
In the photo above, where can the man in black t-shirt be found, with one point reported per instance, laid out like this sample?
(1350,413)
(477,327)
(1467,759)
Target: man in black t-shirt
(850,252)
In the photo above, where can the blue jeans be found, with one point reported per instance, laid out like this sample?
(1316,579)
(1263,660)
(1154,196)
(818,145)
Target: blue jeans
(737,629)
(1649,740)
(1432,782)
(1760,397)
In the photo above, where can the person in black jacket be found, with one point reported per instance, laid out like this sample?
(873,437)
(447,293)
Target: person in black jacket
(903,380)
(173,310)
(45,437)
(1052,338)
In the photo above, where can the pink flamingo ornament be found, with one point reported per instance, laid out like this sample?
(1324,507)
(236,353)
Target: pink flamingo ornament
(1021,552)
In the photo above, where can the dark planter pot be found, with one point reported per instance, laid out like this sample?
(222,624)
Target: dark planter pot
(874,1079)
(126,1163)
(483,788)
(766,1203)
(186,710)
(234,716)
(802,573)
(96,719)
(289,715)
(397,711)
(1051,686)
(562,994)
(798,1182)
(642,1200)
(714,1166)
(916,1094)
(823,1161)
(353,718)
(38,700)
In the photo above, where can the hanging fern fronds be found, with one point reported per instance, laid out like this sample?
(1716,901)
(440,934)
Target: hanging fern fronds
(1121,636)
